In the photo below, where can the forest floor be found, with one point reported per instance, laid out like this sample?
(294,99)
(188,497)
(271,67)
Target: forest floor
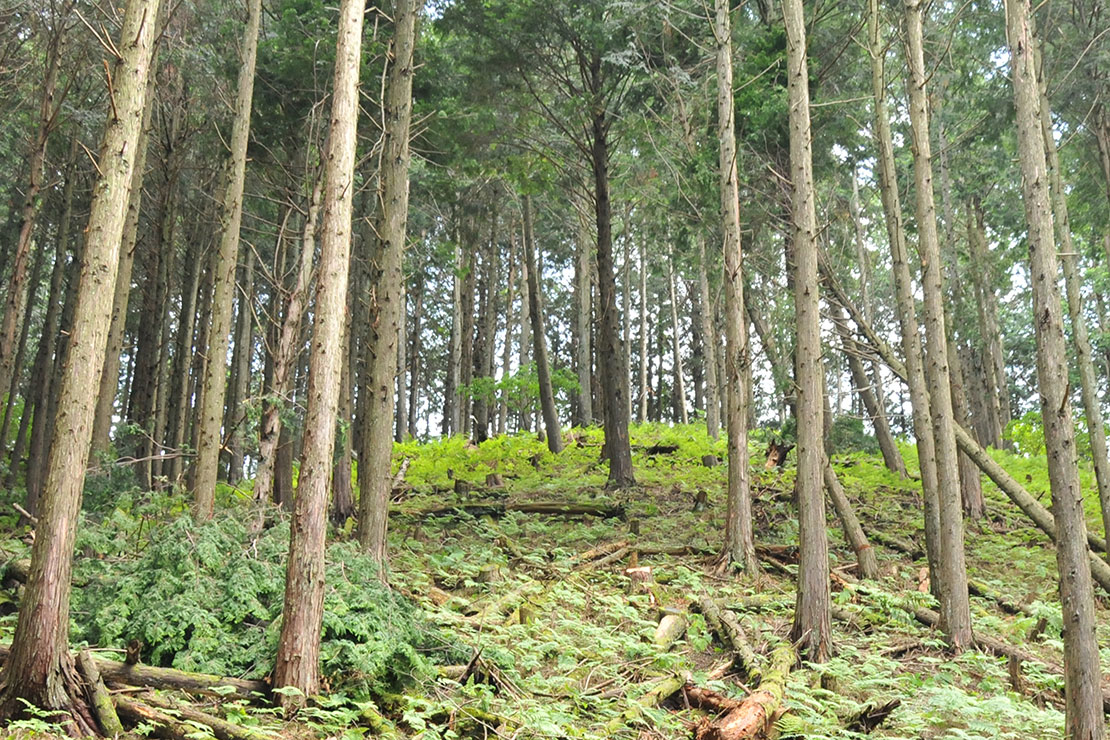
(507,622)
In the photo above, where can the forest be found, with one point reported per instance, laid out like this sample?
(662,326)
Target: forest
(647,369)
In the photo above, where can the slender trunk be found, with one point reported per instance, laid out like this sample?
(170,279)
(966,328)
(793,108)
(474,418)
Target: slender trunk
(49,108)
(402,414)
(40,669)
(178,401)
(1088,381)
(614,375)
(994,363)
(466,352)
(1082,674)
(35,279)
(811,616)
(343,499)
(955,608)
(374,457)
(285,354)
(709,343)
(507,349)
(676,348)
(209,438)
(645,328)
(853,532)
(583,354)
(298,654)
(414,359)
(525,338)
(487,332)
(551,425)
(739,546)
(241,373)
(451,416)
(904,293)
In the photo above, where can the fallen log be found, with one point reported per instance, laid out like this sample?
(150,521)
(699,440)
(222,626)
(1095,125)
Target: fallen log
(853,532)
(222,729)
(100,699)
(115,672)
(162,725)
(752,717)
(671,627)
(500,508)
(728,628)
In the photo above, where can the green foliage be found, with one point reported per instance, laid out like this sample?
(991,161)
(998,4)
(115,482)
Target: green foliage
(208,598)
(847,435)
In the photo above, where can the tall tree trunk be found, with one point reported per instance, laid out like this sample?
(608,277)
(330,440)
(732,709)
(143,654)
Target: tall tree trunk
(466,353)
(583,351)
(525,337)
(994,362)
(343,498)
(904,293)
(39,668)
(487,331)
(1082,674)
(645,329)
(709,335)
(507,348)
(50,105)
(402,421)
(955,607)
(178,401)
(614,375)
(676,347)
(41,376)
(298,655)
(739,546)
(451,414)
(374,457)
(539,335)
(414,355)
(285,353)
(1088,381)
(241,373)
(209,438)
(811,615)
(109,376)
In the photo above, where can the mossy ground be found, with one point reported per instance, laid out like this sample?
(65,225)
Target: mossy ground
(562,651)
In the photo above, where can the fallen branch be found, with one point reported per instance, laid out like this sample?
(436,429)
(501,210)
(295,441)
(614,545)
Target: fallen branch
(498,508)
(853,532)
(100,699)
(671,627)
(751,717)
(728,628)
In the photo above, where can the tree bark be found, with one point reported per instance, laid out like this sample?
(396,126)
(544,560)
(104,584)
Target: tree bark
(611,368)
(209,437)
(583,350)
(676,347)
(241,373)
(739,547)
(298,656)
(995,360)
(904,292)
(374,457)
(709,333)
(40,668)
(951,591)
(1082,674)
(811,616)
(1088,381)
(539,335)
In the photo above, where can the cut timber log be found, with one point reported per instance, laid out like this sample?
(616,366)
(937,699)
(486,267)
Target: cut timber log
(728,628)
(100,699)
(671,627)
(752,717)
(499,508)
(115,672)
(162,725)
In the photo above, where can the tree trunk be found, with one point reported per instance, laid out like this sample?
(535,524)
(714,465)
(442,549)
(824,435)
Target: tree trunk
(374,457)
(1082,674)
(614,375)
(40,668)
(507,348)
(417,349)
(209,437)
(285,353)
(1088,381)
(178,401)
(49,109)
(994,362)
(645,329)
(539,335)
(241,372)
(811,616)
(955,609)
(739,546)
(709,335)
(676,347)
(402,420)
(466,307)
(583,354)
(904,293)
(298,654)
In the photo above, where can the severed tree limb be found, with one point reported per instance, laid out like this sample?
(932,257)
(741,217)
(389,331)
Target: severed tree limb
(100,699)
(853,532)
(222,729)
(728,628)
(751,717)
(163,725)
